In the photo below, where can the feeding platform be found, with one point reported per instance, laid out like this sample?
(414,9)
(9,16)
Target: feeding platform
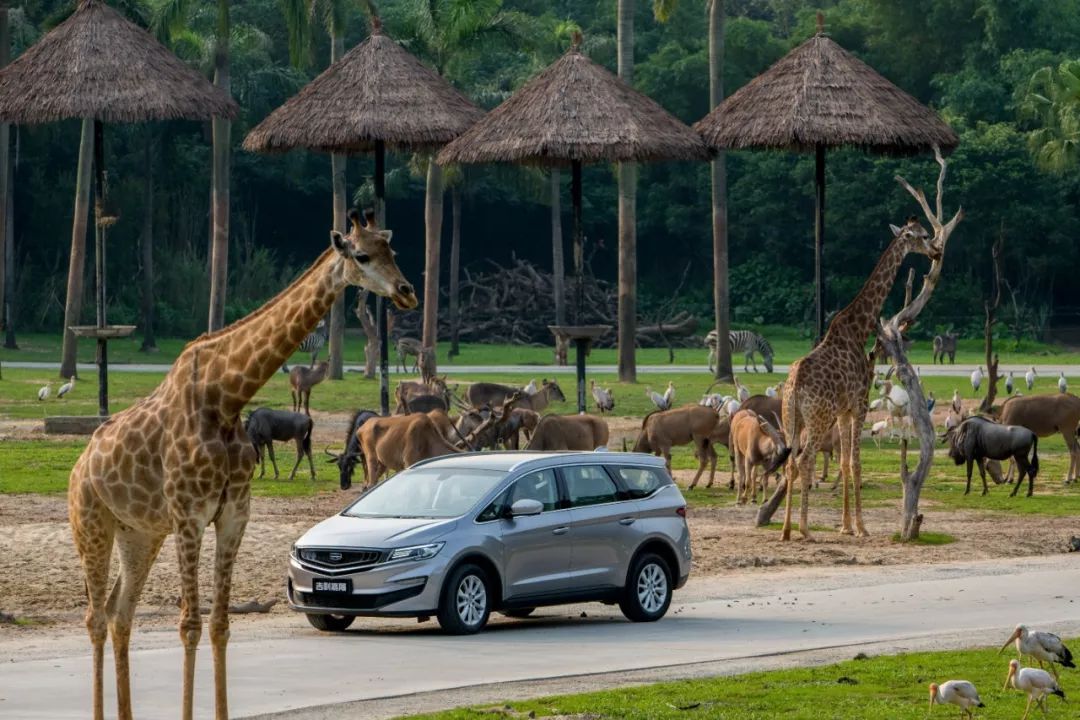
(582,336)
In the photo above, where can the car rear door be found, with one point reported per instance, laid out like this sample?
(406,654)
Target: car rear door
(602,526)
(536,549)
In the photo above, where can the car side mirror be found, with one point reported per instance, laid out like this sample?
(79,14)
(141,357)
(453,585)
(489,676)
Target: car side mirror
(525,507)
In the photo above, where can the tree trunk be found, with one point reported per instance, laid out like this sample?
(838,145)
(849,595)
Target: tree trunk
(147,243)
(371,331)
(455,268)
(558,269)
(721,300)
(627,313)
(337,310)
(433,212)
(990,307)
(7,260)
(9,250)
(77,263)
(219,261)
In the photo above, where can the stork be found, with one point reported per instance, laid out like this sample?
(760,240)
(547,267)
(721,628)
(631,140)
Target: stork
(957,406)
(1038,684)
(66,387)
(876,431)
(1041,646)
(669,394)
(604,401)
(731,406)
(742,392)
(960,693)
(1029,377)
(43,392)
(657,399)
(531,388)
(1009,383)
(1063,385)
(976,378)
(770,391)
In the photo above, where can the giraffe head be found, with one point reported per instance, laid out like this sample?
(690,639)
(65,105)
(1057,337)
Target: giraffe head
(366,260)
(916,239)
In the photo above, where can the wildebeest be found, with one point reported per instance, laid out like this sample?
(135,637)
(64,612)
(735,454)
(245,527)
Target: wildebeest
(569,432)
(978,439)
(264,426)
(347,459)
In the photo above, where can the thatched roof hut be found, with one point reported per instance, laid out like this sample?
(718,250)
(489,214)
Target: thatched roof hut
(820,94)
(377,91)
(576,110)
(98,64)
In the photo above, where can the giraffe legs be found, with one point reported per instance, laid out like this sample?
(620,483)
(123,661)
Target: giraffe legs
(137,554)
(848,438)
(229,528)
(856,472)
(93,528)
(805,462)
(189,535)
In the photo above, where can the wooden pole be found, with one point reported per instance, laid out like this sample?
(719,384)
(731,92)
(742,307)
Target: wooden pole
(579,241)
(819,242)
(99,266)
(380,302)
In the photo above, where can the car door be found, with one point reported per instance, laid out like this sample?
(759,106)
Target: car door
(602,527)
(536,548)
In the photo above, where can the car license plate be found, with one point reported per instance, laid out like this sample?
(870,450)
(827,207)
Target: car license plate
(338,587)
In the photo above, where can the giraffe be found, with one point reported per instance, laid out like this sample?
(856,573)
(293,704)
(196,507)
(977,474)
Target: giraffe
(179,459)
(830,385)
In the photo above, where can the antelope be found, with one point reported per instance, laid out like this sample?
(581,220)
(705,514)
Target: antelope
(302,379)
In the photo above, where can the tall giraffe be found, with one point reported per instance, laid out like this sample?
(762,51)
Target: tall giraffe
(830,385)
(179,459)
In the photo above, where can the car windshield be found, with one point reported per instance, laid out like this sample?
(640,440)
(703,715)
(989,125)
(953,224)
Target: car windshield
(427,492)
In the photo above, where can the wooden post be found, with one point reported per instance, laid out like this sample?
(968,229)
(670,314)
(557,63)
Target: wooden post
(99,266)
(582,348)
(819,242)
(380,303)
(579,242)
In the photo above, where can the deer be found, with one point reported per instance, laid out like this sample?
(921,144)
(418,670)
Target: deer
(1046,415)
(569,432)
(755,442)
(691,424)
(302,379)
(945,344)
(400,441)
(408,347)
(493,394)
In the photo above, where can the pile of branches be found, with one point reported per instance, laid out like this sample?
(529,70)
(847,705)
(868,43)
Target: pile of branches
(515,304)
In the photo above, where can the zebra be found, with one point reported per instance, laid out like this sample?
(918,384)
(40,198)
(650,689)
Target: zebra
(313,343)
(742,341)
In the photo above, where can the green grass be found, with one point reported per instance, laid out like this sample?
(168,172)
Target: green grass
(788,344)
(929,538)
(878,688)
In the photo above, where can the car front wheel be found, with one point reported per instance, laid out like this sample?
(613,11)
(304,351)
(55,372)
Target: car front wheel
(647,594)
(466,601)
(331,623)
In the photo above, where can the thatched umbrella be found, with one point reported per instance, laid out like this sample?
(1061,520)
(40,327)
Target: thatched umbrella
(377,96)
(819,96)
(576,112)
(99,65)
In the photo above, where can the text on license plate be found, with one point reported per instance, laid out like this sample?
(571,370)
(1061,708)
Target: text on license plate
(332,586)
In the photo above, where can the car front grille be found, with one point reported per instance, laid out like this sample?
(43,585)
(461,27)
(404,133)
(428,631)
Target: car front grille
(355,602)
(338,559)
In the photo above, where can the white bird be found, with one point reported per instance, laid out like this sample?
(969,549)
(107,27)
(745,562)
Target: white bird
(976,378)
(877,429)
(531,388)
(957,406)
(43,392)
(743,394)
(731,406)
(770,391)
(877,403)
(66,387)
(960,693)
(1036,683)
(669,394)
(1040,646)
(604,401)
(1029,378)
(1063,386)
(657,399)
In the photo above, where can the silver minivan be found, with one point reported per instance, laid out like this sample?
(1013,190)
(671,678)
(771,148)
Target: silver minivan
(460,536)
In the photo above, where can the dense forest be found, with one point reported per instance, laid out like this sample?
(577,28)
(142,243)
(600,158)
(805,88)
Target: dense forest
(998,71)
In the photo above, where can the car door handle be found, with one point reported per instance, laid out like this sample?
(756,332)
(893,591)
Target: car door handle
(560,530)
(627,521)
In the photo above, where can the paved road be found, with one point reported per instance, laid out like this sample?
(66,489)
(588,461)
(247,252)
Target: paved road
(1047,373)
(718,619)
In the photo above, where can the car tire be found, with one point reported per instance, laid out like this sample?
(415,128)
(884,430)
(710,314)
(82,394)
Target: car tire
(465,604)
(519,612)
(331,623)
(647,594)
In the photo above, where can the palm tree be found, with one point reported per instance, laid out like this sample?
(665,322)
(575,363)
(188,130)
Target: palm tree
(719,198)
(170,17)
(298,15)
(5,138)
(627,313)
(1053,99)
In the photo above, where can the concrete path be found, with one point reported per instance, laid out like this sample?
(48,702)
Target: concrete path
(719,620)
(1047,373)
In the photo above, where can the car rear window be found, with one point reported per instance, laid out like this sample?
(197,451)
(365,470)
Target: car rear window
(589,485)
(640,482)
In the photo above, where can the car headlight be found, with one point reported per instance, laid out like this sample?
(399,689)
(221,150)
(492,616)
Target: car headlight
(417,552)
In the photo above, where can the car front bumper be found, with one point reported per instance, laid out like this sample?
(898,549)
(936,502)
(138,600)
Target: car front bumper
(407,588)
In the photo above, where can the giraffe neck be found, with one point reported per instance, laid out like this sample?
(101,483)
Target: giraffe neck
(856,322)
(222,371)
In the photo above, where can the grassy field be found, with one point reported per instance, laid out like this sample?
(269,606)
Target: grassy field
(788,343)
(879,688)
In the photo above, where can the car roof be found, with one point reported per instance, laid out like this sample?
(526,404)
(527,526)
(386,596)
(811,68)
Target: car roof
(510,460)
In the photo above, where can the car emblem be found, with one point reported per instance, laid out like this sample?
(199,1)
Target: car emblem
(335,557)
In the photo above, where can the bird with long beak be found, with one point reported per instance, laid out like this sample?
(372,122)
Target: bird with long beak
(1043,647)
(960,693)
(1038,684)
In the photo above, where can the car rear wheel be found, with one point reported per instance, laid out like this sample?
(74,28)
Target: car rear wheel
(519,612)
(331,623)
(466,601)
(647,594)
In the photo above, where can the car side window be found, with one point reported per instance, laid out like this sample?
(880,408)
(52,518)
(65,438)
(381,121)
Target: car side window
(496,509)
(640,482)
(589,485)
(540,485)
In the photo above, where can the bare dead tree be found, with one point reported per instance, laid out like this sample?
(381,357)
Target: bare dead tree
(890,338)
(371,332)
(990,306)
